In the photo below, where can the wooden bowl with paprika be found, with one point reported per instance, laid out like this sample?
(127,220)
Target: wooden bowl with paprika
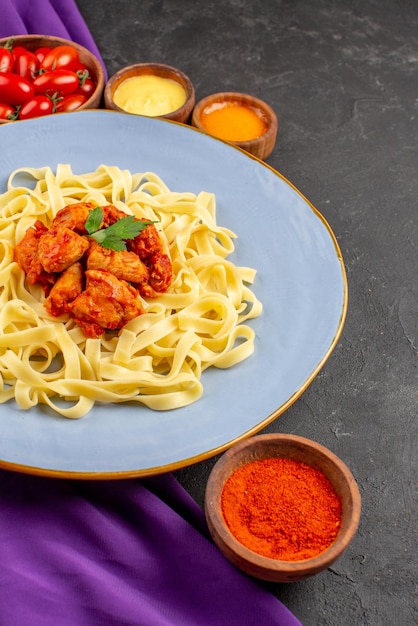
(281,507)
(239,118)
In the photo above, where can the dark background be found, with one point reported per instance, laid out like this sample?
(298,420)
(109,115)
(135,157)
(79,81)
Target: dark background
(342,77)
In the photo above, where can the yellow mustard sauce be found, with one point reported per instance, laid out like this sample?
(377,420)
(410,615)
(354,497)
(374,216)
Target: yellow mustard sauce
(233,121)
(149,95)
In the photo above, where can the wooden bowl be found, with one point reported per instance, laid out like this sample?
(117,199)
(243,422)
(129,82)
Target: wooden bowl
(260,146)
(96,72)
(180,114)
(292,447)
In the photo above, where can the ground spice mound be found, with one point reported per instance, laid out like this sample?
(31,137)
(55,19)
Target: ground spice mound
(281,508)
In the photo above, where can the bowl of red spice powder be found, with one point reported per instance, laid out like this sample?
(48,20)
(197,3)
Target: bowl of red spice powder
(281,507)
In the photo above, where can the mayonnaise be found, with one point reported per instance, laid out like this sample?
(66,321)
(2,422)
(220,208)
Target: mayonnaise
(149,95)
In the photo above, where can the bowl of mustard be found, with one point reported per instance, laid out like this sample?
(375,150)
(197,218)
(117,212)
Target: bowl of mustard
(151,89)
(241,119)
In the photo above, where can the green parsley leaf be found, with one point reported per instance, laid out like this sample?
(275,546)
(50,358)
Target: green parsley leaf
(114,236)
(94,220)
(109,241)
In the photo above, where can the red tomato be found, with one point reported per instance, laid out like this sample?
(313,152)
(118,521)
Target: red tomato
(86,87)
(41,53)
(82,71)
(62,81)
(7,112)
(70,103)
(61,58)
(26,63)
(6,60)
(15,89)
(36,106)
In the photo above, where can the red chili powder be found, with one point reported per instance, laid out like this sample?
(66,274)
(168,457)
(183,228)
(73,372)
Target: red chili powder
(281,508)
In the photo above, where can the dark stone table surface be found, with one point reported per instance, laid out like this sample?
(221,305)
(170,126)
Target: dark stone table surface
(342,76)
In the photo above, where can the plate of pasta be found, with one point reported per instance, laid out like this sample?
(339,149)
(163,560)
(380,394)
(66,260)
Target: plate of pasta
(163,295)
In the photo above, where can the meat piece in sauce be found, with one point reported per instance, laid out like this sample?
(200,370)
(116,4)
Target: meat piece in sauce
(122,264)
(160,275)
(147,243)
(26,256)
(148,246)
(111,214)
(106,303)
(69,285)
(60,247)
(74,217)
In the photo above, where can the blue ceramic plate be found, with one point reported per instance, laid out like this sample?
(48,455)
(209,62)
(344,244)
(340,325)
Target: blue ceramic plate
(301,282)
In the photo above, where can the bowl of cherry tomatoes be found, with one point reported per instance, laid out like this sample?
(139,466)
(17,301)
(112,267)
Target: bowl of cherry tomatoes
(41,75)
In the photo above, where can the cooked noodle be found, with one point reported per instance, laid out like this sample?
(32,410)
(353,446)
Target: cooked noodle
(157,358)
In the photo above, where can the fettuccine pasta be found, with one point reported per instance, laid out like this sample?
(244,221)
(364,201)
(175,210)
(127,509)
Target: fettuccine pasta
(156,359)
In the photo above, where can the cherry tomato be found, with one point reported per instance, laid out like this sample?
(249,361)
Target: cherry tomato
(86,87)
(6,60)
(70,103)
(62,81)
(26,63)
(41,53)
(35,107)
(7,112)
(81,69)
(15,89)
(61,58)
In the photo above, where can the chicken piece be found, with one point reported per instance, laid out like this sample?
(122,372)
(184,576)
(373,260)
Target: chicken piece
(122,264)
(68,286)
(26,256)
(147,243)
(160,275)
(112,214)
(161,272)
(148,246)
(61,247)
(73,216)
(106,303)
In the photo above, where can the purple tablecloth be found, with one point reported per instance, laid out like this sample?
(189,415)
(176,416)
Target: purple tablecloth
(58,18)
(132,552)
(116,553)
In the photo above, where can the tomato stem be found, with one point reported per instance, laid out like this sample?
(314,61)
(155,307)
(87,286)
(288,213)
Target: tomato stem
(83,75)
(9,44)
